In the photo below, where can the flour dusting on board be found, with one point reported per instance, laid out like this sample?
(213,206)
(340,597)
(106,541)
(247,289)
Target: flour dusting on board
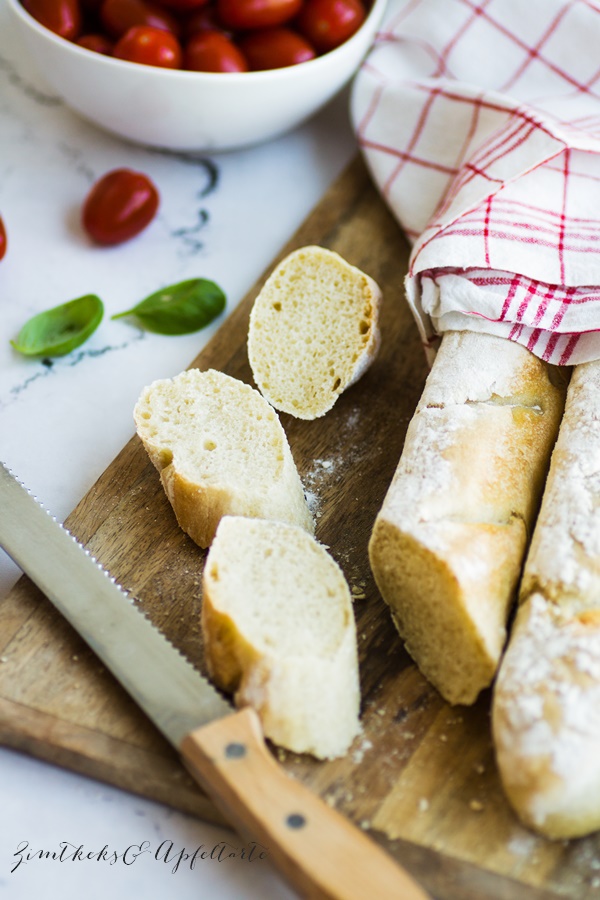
(313,483)
(327,470)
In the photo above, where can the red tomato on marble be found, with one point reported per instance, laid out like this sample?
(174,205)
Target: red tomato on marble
(63,17)
(248,14)
(98,43)
(275,48)
(118,16)
(120,205)
(212,51)
(3,241)
(150,47)
(328,23)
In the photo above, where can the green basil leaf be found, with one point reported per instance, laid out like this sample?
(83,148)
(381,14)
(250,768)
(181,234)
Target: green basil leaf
(61,329)
(180,308)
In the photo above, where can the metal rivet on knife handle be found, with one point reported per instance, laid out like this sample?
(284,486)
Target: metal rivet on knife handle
(235,751)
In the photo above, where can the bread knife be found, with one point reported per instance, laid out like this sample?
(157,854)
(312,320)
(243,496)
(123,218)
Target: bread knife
(318,851)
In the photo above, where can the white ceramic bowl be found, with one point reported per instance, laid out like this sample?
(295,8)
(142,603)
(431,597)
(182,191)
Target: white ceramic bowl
(183,110)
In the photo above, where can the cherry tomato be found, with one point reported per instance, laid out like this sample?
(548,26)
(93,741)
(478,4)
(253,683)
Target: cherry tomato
(275,48)
(120,205)
(212,51)
(243,14)
(98,43)
(2,239)
(328,23)
(118,16)
(63,17)
(150,47)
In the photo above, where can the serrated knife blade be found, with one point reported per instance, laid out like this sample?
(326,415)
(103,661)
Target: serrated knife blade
(320,853)
(170,691)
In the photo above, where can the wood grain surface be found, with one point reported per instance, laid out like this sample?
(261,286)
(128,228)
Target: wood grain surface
(421,778)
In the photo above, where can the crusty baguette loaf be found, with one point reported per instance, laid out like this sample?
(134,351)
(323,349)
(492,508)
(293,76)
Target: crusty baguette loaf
(313,331)
(219,448)
(448,544)
(279,632)
(546,708)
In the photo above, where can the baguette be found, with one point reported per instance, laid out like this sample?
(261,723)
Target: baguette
(313,331)
(220,449)
(279,632)
(448,544)
(546,705)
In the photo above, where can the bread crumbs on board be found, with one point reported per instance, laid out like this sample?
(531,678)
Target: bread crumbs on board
(358,754)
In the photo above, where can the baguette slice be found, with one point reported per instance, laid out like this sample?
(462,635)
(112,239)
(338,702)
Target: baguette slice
(279,632)
(448,544)
(219,448)
(313,331)
(546,705)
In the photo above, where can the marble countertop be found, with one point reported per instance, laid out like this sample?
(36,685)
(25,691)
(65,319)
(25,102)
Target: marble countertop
(62,421)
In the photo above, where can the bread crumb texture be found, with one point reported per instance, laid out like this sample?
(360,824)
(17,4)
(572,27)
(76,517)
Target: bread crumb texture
(448,544)
(220,449)
(279,633)
(313,331)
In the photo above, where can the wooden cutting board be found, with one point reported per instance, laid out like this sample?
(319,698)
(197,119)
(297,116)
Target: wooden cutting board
(421,778)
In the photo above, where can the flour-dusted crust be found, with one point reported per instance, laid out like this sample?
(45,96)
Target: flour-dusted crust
(448,544)
(314,330)
(279,633)
(564,560)
(546,709)
(220,449)
(546,719)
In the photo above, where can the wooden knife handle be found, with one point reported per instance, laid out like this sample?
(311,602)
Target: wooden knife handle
(321,853)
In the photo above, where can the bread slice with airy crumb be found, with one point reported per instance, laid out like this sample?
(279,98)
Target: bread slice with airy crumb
(279,633)
(220,449)
(313,331)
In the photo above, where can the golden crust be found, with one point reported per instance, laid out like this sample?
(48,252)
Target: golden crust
(448,544)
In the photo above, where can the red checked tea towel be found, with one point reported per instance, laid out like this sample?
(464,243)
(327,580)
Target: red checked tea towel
(480,122)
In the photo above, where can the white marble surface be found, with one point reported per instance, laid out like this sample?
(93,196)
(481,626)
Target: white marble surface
(223,218)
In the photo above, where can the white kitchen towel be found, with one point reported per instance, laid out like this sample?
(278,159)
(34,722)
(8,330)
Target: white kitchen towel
(480,123)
